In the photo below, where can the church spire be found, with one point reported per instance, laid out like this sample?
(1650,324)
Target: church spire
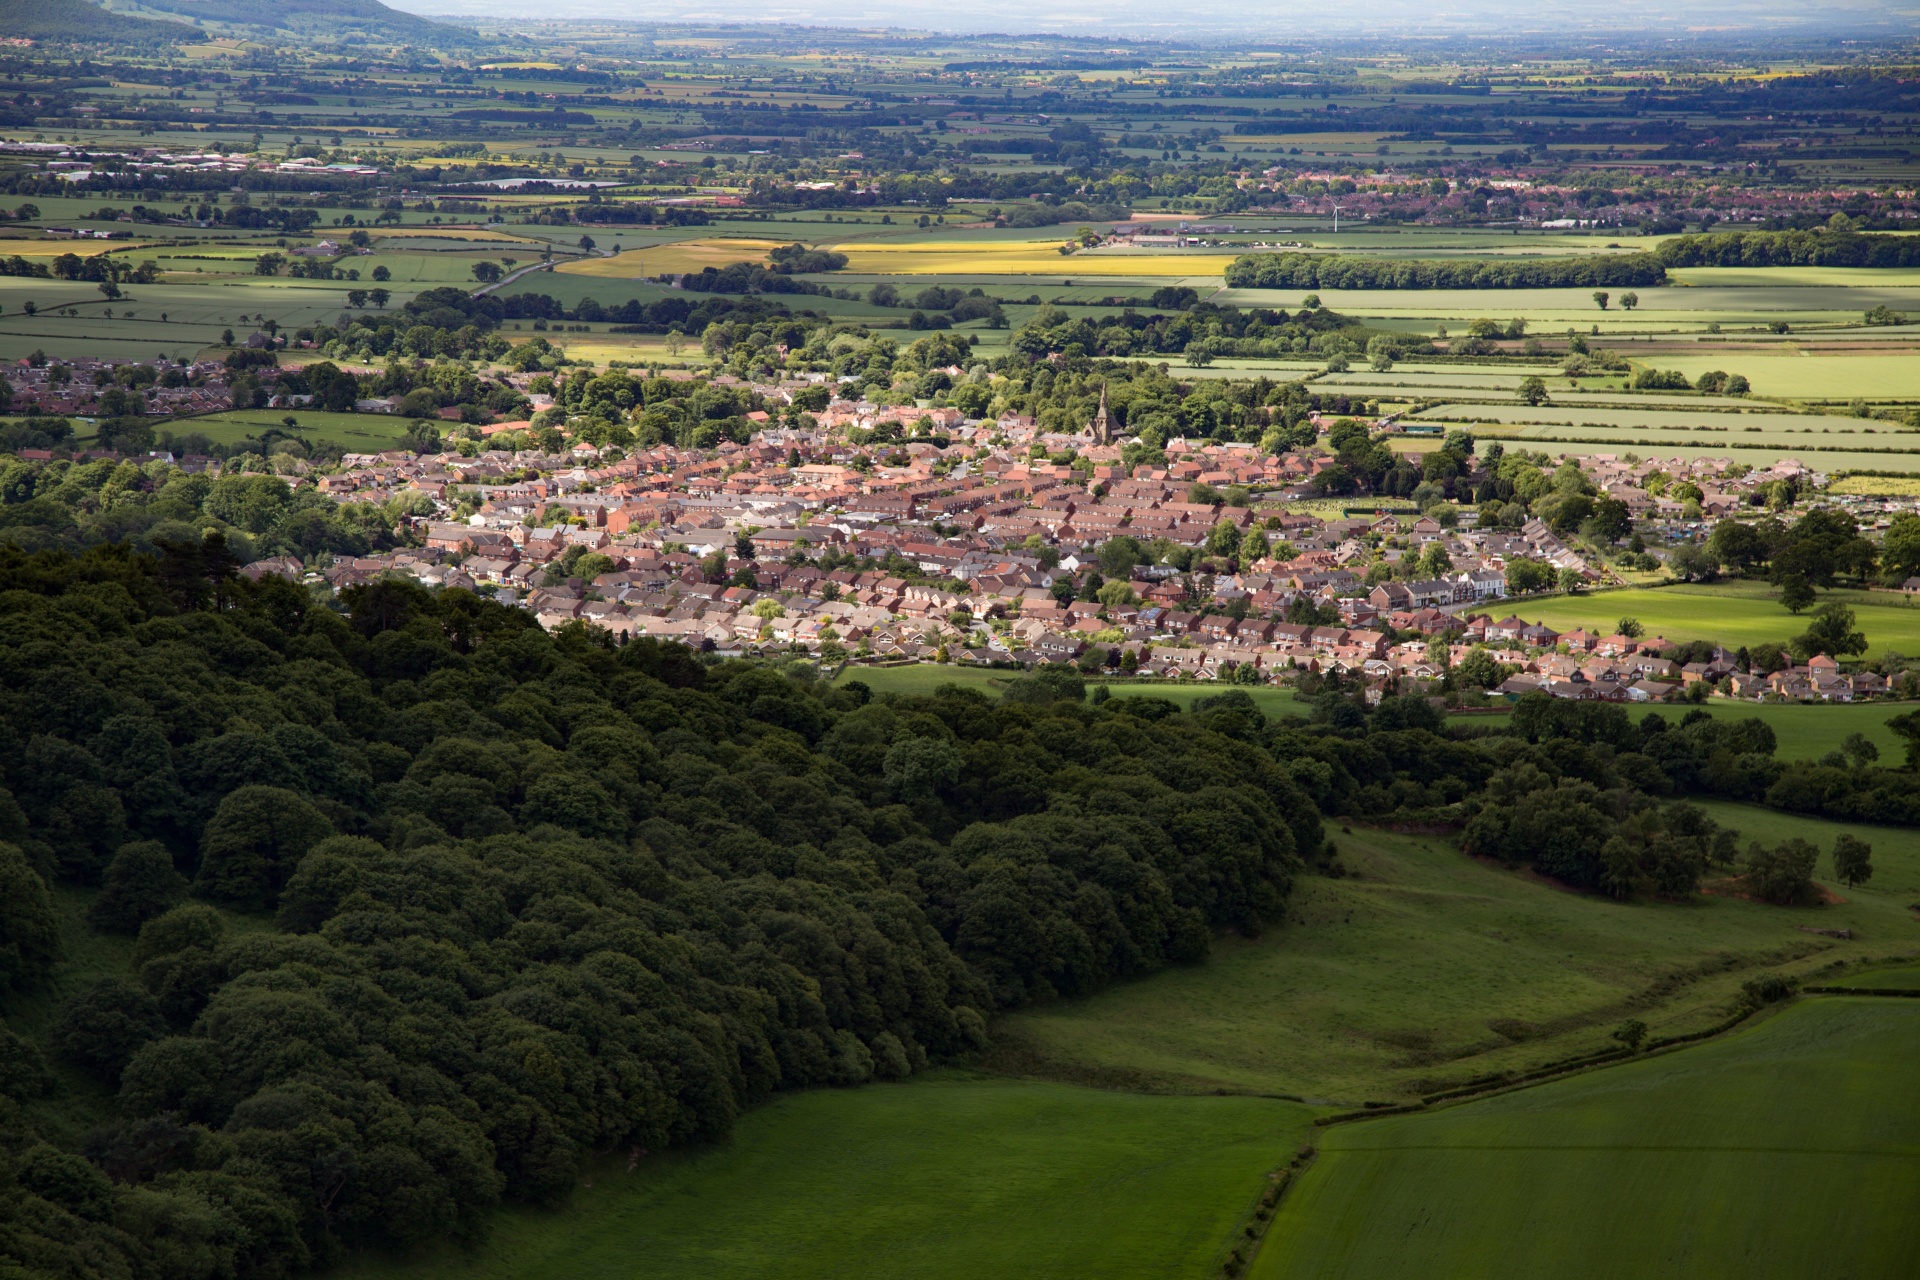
(1102,424)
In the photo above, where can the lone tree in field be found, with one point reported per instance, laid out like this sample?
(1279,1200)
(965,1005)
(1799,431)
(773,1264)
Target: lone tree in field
(1601,297)
(486,272)
(1796,593)
(1852,859)
(1632,1033)
(1533,390)
(1629,300)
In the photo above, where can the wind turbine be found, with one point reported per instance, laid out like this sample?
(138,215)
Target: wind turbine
(1336,219)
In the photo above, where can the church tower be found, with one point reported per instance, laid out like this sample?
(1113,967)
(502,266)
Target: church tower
(1102,424)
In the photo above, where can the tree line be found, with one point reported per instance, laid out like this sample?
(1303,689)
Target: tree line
(1821,248)
(1343,271)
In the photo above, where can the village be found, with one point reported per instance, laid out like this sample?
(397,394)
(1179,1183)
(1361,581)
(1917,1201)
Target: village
(977,552)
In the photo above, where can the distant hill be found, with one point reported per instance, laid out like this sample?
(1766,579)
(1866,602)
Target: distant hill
(316,19)
(78,20)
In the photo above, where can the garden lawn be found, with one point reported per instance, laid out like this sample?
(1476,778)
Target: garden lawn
(1790,1150)
(1732,614)
(1424,968)
(950,1176)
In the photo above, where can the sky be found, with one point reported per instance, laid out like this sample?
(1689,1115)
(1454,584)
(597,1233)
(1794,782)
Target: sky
(1630,20)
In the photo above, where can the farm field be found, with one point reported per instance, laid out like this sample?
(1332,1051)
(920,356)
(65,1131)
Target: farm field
(1733,614)
(1799,374)
(1896,850)
(949,1176)
(1803,731)
(1422,968)
(353,432)
(1022,257)
(681,255)
(1547,311)
(924,678)
(1790,1149)
(1666,413)
(1905,978)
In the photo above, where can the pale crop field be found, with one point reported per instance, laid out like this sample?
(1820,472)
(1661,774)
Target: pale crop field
(678,256)
(989,258)
(1798,277)
(1680,417)
(1880,375)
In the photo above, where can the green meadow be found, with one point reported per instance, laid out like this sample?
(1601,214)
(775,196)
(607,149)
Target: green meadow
(1421,968)
(1790,1149)
(353,432)
(1802,731)
(950,1176)
(1731,613)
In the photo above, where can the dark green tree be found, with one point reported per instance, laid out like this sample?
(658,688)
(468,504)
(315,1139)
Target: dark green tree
(29,931)
(140,884)
(103,1026)
(1784,873)
(1852,859)
(1796,593)
(255,840)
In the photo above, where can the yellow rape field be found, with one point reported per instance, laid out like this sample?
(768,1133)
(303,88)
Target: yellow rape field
(1016,258)
(683,255)
(10,248)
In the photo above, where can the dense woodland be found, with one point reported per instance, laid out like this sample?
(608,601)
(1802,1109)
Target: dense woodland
(431,905)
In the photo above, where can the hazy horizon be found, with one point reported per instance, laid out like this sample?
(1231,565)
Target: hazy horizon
(1631,22)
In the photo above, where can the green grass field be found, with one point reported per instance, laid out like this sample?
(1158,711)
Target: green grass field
(1674,413)
(1791,1149)
(948,1176)
(1425,968)
(1896,851)
(1803,731)
(354,432)
(1730,613)
(1893,374)
(925,677)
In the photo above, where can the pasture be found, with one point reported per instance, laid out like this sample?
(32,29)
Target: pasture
(949,1176)
(676,256)
(945,256)
(1422,968)
(1730,613)
(1667,412)
(353,432)
(1803,731)
(925,677)
(1799,373)
(1785,1150)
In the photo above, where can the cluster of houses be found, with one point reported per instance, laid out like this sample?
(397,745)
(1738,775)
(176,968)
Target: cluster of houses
(987,549)
(735,550)
(74,387)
